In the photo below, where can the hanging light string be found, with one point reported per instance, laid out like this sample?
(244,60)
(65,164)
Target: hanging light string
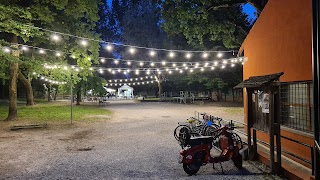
(134,83)
(169,70)
(56,33)
(25,48)
(174,65)
(131,79)
(48,80)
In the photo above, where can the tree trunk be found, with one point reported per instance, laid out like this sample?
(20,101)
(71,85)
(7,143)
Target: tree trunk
(78,96)
(27,84)
(55,93)
(218,95)
(14,67)
(160,91)
(232,95)
(49,92)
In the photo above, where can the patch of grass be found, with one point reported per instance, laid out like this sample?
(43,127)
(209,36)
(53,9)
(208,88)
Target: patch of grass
(152,99)
(54,112)
(234,110)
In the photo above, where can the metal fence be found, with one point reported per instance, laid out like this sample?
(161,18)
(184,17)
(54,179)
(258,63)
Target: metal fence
(296,103)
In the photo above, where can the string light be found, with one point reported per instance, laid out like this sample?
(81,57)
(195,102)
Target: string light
(232,65)
(205,55)
(73,56)
(129,63)
(219,55)
(141,63)
(174,65)
(41,51)
(116,61)
(171,54)
(58,54)
(163,63)
(118,44)
(84,42)
(6,49)
(109,47)
(223,66)
(188,55)
(132,50)
(24,48)
(184,65)
(212,68)
(55,37)
(152,64)
(102,60)
(152,53)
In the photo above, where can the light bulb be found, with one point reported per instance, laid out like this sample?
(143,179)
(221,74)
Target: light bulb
(116,61)
(141,63)
(119,70)
(84,42)
(202,69)
(55,37)
(205,55)
(232,65)
(212,68)
(171,54)
(109,47)
(6,50)
(73,56)
(137,72)
(58,54)
(191,70)
(222,67)
(181,71)
(132,50)
(129,62)
(170,72)
(184,64)
(102,60)
(152,53)
(174,65)
(219,55)
(24,48)
(41,51)
(152,64)
(163,63)
(188,55)
(206,64)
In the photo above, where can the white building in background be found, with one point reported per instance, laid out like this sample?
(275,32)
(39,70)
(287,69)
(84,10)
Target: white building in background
(125,92)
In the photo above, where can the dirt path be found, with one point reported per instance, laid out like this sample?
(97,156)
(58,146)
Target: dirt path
(136,143)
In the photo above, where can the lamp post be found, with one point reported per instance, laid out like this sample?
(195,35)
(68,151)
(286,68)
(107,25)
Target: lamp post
(316,81)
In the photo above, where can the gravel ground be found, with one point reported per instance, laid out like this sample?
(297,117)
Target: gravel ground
(137,143)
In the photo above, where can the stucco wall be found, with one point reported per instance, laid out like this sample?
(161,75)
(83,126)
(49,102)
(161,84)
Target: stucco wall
(280,41)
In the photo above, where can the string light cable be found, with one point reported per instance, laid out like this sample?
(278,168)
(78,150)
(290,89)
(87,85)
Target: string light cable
(55,37)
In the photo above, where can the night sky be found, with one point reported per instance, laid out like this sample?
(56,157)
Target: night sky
(247,8)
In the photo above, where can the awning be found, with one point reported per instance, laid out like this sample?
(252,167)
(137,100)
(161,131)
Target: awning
(259,81)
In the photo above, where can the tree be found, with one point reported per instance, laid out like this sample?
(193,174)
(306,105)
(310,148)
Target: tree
(18,17)
(214,24)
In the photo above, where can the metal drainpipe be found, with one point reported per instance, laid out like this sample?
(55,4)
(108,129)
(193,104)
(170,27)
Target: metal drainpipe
(315,71)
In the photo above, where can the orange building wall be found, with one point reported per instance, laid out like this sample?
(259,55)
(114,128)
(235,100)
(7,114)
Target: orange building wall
(281,41)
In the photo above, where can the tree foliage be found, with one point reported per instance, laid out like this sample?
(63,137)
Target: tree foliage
(204,25)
